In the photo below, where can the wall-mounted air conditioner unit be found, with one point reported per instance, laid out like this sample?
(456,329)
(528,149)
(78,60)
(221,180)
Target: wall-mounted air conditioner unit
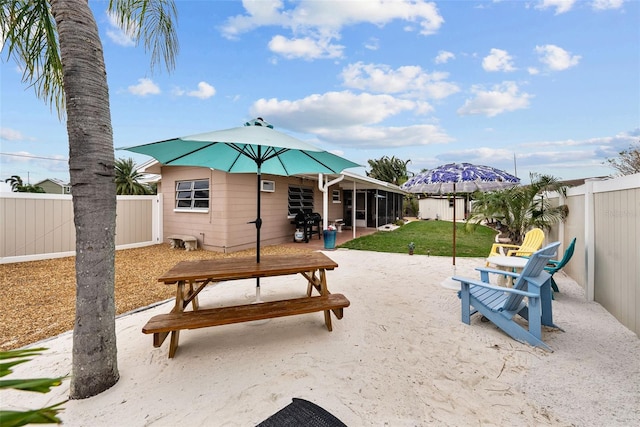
(267,186)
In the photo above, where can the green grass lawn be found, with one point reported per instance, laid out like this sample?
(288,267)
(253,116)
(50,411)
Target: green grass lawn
(430,237)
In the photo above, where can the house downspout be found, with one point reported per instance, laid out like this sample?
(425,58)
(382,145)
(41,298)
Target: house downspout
(325,197)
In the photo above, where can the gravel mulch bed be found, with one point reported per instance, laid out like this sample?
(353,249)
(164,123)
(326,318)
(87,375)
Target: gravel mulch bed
(38,297)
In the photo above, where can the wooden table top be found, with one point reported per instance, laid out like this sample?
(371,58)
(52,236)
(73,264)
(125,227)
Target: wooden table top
(247,267)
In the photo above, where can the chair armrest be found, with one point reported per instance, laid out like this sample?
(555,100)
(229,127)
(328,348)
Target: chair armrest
(498,248)
(501,272)
(495,288)
(521,252)
(495,246)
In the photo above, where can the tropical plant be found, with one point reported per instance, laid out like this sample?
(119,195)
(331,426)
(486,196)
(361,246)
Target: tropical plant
(18,186)
(628,161)
(46,415)
(394,170)
(15,182)
(58,46)
(516,210)
(391,170)
(410,205)
(30,188)
(127,179)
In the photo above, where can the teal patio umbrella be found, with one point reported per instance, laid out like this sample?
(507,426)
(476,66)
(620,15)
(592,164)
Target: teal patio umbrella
(253,148)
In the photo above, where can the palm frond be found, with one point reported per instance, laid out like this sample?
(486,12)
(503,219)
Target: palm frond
(31,39)
(151,21)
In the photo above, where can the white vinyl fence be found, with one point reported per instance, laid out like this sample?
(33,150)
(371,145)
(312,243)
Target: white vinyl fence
(40,226)
(604,216)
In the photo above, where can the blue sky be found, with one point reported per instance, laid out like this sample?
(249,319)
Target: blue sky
(553,84)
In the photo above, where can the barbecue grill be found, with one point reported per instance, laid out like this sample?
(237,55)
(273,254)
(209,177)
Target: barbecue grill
(309,223)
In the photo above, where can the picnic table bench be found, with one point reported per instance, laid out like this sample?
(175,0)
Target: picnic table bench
(191,277)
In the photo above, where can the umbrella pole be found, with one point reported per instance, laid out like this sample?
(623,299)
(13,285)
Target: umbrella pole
(258,221)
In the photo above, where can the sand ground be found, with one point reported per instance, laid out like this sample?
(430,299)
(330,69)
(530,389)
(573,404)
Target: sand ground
(399,357)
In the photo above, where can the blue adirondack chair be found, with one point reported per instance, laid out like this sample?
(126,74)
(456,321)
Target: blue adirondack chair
(500,305)
(555,265)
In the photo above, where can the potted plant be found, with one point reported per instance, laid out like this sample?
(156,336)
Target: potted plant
(412,246)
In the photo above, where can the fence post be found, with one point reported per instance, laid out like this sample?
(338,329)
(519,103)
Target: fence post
(156,219)
(589,238)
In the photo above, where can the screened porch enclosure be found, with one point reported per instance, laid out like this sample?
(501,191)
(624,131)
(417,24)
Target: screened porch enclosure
(373,208)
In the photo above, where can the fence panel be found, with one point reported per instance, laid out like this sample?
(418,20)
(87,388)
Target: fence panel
(40,226)
(604,216)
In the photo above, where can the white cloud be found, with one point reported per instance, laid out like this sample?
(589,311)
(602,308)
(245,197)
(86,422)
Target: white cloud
(316,24)
(205,90)
(479,156)
(533,71)
(305,48)
(607,4)
(372,44)
(612,145)
(443,57)
(556,58)
(120,36)
(144,87)
(385,137)
(410,80)
(554,157)
(259,13)
(319,15)
(350,119)
(498,60)
(561,6)
(11,135)
(500,99)
(341,109)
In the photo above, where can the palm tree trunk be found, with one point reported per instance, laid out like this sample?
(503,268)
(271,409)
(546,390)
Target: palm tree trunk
(91,167)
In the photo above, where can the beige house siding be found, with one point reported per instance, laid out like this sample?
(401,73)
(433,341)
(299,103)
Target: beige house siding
(190,223)
(53,188)
(336,210)
(225,227)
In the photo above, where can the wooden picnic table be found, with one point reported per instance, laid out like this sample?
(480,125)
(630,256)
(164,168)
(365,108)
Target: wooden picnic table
(191,277)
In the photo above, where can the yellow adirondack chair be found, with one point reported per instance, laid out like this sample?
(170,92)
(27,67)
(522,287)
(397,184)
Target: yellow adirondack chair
(533,240)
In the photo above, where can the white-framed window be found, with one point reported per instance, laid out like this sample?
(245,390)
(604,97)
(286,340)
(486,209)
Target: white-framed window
(192,195)
(300,199)
(335,196)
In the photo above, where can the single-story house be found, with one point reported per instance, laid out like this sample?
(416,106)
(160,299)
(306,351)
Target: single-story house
(54,186)
(217,207)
